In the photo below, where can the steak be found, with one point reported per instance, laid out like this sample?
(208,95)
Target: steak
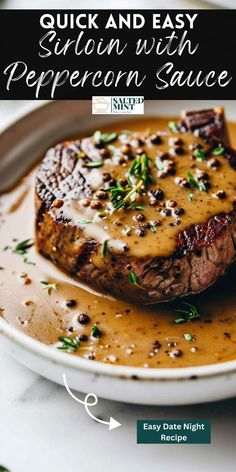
(148,216)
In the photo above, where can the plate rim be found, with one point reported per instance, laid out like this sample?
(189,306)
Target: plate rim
(77,363)
(24,110)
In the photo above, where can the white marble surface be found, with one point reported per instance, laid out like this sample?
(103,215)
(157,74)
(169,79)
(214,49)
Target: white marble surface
(43,429)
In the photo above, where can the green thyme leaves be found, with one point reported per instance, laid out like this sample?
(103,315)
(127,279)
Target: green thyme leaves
(84,222)
(27,261)
(22,247)
(48,286)
(188,313)
(104,138)
(153,229)
(119,194)
(200,154)
(95,331)
(188,337)
(196,183)
(126,131)
(133,279)
(139,176)
(104,248)
(140,169)
(94,164)
(218,151)
(68,344)
(173,127)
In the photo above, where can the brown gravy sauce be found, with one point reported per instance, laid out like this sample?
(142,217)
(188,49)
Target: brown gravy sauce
(130,335)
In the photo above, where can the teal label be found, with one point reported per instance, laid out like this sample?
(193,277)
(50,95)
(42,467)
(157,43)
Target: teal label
(173,432)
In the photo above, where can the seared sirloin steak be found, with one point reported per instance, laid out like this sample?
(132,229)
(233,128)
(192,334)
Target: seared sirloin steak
(149,216)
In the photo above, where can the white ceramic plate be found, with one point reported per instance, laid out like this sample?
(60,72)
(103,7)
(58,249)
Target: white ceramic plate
(220,3)
(21,142)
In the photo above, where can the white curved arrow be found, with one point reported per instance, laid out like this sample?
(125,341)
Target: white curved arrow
(91,400)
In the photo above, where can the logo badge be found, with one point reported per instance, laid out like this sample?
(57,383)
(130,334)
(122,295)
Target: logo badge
(128,105)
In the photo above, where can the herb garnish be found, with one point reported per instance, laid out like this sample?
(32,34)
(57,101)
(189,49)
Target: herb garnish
(104,248)
(190,313)
(153,229)
(69,344)
(96,333)
(200,154)
(190,197)
(136,207)
(140,171)
(188,337)
(172,126)
(133,279)
(49,287)
(94,164)
(104,138)
(125,131)
(84,222)
(218,151)
(22,247)
(195,183)
(3,469)
(27,261)
(127,231)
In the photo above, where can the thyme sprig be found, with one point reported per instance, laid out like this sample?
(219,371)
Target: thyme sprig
(104,248)
(48,286)
(138,176)
(95,331)
(189,313)
(188,337)
(200,154)
(69,344)
(133,279)
(218,151)
(22,247)
(195,183)
(94,164)
(173,127)
(104,138)
(28,261)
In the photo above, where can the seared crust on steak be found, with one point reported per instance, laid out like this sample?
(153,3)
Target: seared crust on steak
(202,253)
(206,123)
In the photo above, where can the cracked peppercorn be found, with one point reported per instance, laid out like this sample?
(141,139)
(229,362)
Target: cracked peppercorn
(83,319)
